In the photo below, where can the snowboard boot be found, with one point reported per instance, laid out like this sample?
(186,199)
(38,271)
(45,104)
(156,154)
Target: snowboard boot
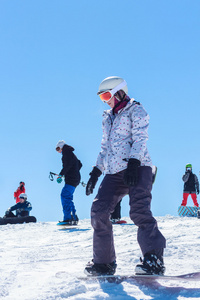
(75,220)
(150,265)
(93,269)
(66,222)
(114,221)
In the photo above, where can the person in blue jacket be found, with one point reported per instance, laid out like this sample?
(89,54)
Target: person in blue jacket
(22,208)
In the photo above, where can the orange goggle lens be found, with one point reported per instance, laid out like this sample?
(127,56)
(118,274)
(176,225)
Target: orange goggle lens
(105,96)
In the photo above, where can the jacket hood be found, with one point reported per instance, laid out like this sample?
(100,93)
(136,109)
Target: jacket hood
(67,147)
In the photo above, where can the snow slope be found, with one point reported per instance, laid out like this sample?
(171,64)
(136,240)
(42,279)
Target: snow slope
(39,261)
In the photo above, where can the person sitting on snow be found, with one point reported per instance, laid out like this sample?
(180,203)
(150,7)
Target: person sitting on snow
(22,208)
(191,186)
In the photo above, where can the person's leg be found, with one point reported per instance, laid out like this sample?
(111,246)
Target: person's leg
(194,198)
(150,238)
(10,215)
(185,197)
(24,213)
(111,191)
(116,214)
(67,201)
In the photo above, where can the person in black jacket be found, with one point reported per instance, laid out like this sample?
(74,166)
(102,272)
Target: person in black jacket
(71,172)
(191,186)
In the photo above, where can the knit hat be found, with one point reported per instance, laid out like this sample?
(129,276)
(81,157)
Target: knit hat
(188,166)
(60,144)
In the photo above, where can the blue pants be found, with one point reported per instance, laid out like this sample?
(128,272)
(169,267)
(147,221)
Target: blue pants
(67,202)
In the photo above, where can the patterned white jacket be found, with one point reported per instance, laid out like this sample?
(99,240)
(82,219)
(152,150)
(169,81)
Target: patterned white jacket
(124,137)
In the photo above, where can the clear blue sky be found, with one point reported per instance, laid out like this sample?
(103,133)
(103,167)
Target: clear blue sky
(53,56)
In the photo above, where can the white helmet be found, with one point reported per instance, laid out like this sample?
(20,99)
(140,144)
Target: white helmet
(112,82)
(60,144)
(23,196)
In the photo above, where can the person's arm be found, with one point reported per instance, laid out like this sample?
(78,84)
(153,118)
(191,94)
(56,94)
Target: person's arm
(139,128)
(67,161)
(14,207)
(17,192)
(196,183)
(27,206)
(104,143)
(186,176)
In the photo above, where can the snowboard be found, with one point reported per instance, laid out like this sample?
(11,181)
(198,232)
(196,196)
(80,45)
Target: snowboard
(189,211)
(120,278)
(120,222)
(68,227)
(64,226)
(18,220)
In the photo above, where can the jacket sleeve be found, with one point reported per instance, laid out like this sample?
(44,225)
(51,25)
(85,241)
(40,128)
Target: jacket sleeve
(67,161)
(196,182)
(186,177)
(16,193)
(140,124)
(28,206)
(14,207)
(102,153)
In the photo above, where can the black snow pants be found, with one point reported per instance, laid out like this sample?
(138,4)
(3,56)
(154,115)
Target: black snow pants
(111,191)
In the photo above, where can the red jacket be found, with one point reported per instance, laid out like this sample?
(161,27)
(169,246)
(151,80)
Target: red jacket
(18,192)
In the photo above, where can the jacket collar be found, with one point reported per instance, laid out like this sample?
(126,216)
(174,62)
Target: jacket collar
(129,104)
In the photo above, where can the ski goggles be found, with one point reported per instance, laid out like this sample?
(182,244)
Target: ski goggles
(107,95)
(188,169)
(22,198)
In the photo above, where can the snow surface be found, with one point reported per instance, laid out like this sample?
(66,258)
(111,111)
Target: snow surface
(40,261)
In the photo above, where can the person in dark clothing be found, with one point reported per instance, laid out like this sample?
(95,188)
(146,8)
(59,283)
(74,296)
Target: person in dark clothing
(191,186)
(127,166)
(22,208)
(71,172)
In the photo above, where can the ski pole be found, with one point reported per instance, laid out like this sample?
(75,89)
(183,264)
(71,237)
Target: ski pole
(59,179)
(52,174)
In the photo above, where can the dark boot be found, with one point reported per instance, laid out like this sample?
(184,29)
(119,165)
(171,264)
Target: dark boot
(93,269)
(150,265)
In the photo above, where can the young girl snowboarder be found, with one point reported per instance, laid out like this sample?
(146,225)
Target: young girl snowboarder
(127,166)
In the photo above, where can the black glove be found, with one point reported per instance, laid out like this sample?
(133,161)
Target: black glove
(7,212)
(93,180)
(198,192)
(131,173)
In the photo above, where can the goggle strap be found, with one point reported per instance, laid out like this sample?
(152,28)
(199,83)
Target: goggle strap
(118,87)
